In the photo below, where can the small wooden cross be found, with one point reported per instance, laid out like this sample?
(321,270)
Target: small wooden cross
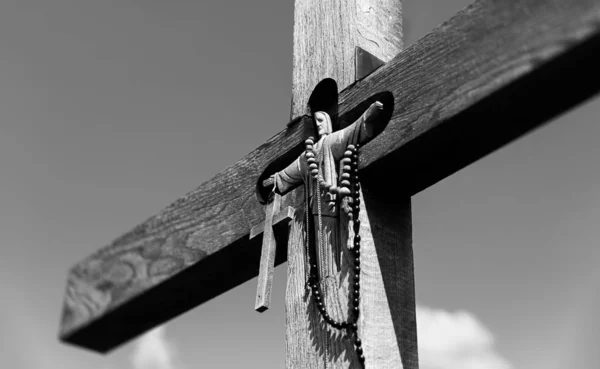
(273,217)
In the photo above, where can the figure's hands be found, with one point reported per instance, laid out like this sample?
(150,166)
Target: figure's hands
(268,184)
(373,112)
(369,118)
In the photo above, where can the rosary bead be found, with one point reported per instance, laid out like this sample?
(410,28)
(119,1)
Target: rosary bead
(310,155)
(355,156)
(361,358)
(356,224)
(310,140)
(346,168)
(313,166)
(356,238)
(357,269)
(357,283)
(346,161)
(355,311)
(345,183)
(346,176)
(317,293)
(357,277)
(351,147)
(355,302)
(334,189)
(357,261)
(354,327)
(348,153)
(320,305)
(359,350)
(326,317)
(314,172)
(344,191)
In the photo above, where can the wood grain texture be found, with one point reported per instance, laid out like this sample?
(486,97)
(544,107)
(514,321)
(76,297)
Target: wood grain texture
(285,215)
(192,251)
(387,321)
(326,34)
(495,71)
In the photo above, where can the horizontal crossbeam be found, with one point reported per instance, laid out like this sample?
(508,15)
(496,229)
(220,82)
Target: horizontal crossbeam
(495,71)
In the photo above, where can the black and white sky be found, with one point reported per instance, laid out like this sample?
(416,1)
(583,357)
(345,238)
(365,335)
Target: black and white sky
(110,110)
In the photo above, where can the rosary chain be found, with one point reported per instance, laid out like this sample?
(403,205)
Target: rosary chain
(351,324)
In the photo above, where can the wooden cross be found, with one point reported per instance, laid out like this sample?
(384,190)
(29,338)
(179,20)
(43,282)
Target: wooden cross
(490,74)
(267,257)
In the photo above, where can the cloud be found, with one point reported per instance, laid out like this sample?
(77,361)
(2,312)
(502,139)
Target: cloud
(455,340)
(153,351)
(447,340)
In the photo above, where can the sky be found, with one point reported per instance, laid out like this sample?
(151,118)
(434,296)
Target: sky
(111,110)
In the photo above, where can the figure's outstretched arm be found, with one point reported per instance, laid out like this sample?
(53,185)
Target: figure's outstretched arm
(287,179)
(361,131)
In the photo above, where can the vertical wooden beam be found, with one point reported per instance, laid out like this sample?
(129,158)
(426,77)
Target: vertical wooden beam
(326,34)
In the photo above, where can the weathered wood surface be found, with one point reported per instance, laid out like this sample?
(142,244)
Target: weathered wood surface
(326,34)
(387,321)
(374,25)
(285,215)
(492,73)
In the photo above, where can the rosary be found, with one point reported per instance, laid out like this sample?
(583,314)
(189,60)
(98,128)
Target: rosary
(349,186)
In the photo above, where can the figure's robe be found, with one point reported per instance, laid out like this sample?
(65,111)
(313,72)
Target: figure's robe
(334,257)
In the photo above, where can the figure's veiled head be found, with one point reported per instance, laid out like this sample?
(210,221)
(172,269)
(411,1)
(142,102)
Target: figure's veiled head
(323,105)
(323,123)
